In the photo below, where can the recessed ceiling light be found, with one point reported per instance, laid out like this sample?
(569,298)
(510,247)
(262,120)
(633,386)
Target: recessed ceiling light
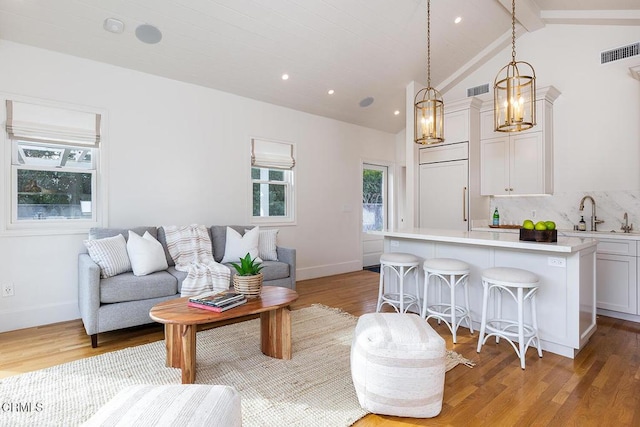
(396,113)
(458,20)
(149,34)
(113,25)
(331,91)
(285,77)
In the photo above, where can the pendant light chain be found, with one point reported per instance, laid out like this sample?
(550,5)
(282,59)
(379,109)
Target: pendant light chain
(428,43)
(513,31)
(514,91)
(428,106)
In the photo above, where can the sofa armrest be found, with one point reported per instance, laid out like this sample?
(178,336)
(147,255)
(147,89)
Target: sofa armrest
(88,292)
(288,255)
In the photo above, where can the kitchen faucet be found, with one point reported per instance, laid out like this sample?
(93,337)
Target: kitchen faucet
(626,227)
(594,219)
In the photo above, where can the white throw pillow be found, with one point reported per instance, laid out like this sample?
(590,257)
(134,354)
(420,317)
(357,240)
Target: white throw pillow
(146,254)
(267,245)
(238,246)
(110,254)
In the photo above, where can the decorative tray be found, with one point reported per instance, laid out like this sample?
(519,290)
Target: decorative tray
(506,226)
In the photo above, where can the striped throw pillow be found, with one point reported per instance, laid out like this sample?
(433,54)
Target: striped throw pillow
(267,245)
(110,254)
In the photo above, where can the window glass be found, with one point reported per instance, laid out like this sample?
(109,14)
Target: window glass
(271,193)
(52,182)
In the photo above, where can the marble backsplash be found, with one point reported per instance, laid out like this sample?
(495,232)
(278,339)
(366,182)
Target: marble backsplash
(563,209)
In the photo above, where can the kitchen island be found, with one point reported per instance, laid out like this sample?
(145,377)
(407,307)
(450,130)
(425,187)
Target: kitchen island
(566,299)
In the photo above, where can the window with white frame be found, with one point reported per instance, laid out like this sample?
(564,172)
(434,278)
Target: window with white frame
(272,182)
(54,162)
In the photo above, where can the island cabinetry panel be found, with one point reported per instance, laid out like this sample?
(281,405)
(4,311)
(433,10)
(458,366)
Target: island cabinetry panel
(617,276)
(566,300)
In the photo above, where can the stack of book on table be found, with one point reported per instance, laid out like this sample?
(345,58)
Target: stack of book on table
(217,301)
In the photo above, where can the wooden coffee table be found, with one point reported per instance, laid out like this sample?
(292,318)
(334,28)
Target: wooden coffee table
(180,324)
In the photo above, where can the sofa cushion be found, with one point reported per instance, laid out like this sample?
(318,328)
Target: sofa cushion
(102,232)
(128,287)
(162,238)
(219,238)
(179,275)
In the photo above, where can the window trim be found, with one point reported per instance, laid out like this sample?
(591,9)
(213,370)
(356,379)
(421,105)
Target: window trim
(290,185)
(8,180)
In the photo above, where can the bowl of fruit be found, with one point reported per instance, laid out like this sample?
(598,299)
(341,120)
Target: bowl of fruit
(541,231)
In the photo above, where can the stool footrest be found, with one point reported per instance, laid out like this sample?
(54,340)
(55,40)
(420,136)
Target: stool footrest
(494,327)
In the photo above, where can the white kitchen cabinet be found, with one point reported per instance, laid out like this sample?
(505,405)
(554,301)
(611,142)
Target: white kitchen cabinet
(515,164)
(617,276)
(456,126)
(519,162)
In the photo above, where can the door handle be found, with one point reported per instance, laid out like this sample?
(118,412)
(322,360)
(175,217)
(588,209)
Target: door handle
(464,204)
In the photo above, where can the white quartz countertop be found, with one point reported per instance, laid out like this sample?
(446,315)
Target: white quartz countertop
(572,233)
(565,244)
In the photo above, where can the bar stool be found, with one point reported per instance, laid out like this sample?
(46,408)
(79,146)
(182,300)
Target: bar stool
(522,286)
(453,273)
(401,264)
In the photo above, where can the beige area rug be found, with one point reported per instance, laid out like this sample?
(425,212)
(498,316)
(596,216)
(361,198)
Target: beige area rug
(313,388)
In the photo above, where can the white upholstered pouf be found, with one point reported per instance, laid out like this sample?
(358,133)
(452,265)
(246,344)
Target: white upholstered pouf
(171,405)
(398,365)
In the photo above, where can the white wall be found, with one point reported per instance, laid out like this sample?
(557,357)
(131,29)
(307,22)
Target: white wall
(178,154)
(596,119)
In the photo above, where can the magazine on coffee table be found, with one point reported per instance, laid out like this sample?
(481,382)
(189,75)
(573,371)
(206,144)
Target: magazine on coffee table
(217,309)
(217,299)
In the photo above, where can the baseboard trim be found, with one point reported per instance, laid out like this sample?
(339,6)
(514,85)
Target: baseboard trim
(328,270)
(46,314)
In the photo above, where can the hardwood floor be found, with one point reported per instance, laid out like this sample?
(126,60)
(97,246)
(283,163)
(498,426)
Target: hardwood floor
(600,387)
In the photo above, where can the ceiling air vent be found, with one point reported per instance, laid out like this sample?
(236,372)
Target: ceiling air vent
(620,53)
(478,90)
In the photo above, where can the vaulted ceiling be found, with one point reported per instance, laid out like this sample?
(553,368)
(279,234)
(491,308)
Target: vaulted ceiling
(358,48)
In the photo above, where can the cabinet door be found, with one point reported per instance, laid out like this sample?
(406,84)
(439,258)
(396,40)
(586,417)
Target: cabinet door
(616,287)
(494,166)
(444,195)
(456,126)
(526,164)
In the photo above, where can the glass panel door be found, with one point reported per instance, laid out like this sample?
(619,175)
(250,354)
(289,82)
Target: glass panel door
(374,211)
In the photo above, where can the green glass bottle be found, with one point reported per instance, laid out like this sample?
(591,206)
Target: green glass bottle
(496,217)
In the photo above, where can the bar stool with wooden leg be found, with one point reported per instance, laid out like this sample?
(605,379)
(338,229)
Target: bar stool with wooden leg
(455,274)
(401,264)
(522,286)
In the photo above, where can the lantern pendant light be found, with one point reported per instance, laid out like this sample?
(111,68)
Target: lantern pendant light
(428,104)
(514,91)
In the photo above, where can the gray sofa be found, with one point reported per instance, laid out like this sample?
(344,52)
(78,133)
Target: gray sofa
(124,300)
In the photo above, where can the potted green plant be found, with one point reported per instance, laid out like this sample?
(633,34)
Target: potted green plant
(248,278)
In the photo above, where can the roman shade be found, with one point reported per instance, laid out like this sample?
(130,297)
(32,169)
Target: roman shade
(43,123)
(270,154)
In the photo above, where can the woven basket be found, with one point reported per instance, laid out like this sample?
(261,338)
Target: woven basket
(249,286)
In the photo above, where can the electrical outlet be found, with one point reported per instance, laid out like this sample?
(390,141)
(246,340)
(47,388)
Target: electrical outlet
(395,243)
(557,262)
(7,290)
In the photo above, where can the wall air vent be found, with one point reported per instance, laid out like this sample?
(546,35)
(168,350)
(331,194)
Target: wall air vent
(620,53)
(478,90)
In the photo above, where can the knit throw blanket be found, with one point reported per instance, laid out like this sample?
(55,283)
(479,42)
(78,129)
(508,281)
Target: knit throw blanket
(190,248)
